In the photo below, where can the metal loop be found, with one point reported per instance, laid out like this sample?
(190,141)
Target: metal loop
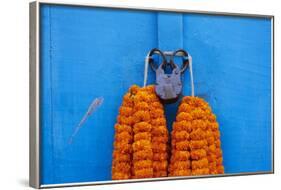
(151,61)
(184,58)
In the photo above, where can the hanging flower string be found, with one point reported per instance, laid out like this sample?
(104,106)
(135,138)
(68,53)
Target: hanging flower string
(195,140)
(141,128)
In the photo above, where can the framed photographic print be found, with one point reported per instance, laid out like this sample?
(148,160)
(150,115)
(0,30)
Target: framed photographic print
(128,94)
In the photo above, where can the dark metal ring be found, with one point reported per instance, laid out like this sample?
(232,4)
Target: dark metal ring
(151,61)
(184,58)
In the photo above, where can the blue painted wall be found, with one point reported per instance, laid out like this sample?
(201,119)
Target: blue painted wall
(93,52)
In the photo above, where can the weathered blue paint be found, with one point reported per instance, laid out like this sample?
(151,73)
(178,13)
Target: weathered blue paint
(92,52)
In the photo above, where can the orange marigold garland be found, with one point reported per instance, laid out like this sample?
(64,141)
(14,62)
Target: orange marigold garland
(160,136)
(195,140)
(121,162)
(141,136)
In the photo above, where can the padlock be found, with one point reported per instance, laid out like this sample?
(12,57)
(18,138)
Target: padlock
(169,86)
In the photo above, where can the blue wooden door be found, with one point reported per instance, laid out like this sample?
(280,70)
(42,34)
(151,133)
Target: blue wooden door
(97,52)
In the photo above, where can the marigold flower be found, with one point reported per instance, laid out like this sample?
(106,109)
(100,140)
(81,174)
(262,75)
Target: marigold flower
(134,89)
(180,172)
(142,96)
(180,165)
(198,114)
(180,155)
(219,161)
(142,127)
(160,156)
(182,145)
(160,165)
(142,136)
(141,106)
(212,148)
(157,148)
(157,113)
(142,164)
(150,89)
(183,116)
(123,147)
(141,116)
(143,155)
(160,173)
(198,154)
(182,126)
(180,135)
(141,145)
(122,167)
(119,157)
(125,111)
(144,173)
(220,169)
(119,176)
(158,122)
(125,120)
(218,153)
(196,144)
(216,134)
(159,131)
(185,108)
(197,134)
(156,105)
(214,126)
(212,117)
(121,128)
(124,136)
(212,158)
(197,123)
(160,139)
(202,163)
(211,140)
(202,171)
(218,143)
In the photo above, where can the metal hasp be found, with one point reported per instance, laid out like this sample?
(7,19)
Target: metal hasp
(168,85)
